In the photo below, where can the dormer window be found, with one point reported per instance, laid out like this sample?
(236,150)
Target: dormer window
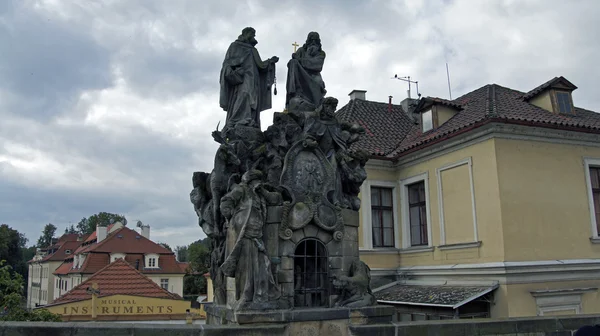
(563,102)
(67,251)
(553,96)
(427,117)
(152,260)
(435,112)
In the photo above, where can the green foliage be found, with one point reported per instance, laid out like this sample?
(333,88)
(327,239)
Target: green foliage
(88,225)
(12,244)
(199,259)
(182,253)
(70,229)
(11,298)
(45,239)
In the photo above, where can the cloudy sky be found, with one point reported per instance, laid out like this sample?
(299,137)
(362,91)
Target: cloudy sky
(109,105)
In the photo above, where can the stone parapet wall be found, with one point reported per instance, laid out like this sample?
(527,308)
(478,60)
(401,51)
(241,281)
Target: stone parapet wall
(533,326)
(538,326)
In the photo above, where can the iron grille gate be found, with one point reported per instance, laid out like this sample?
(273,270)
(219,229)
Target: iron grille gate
(311,275)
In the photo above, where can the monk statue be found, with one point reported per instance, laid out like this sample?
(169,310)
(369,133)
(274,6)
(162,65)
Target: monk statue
(247,260)
(305,87)
(246,82)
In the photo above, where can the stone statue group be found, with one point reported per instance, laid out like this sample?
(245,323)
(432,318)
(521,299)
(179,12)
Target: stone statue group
(302,163)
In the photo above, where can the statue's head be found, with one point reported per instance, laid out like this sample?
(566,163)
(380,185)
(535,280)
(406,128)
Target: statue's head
(313,43)
(252,175)
(248,35)
(328,108)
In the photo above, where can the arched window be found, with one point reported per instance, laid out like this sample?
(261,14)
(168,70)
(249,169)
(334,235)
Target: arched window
(311,278)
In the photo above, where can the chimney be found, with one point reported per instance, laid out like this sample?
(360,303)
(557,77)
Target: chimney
(390,104)
(145,231)
(79,237)
(358,94)
(409,105)
(101,232)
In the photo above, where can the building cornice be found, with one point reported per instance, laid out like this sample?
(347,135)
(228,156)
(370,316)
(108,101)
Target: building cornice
(511,272)
(499,131)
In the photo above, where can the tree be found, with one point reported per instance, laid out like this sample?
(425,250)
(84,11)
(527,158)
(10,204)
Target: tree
(45,239)
(88,225)
(12,244)
(182,253)
(199,259)
(70,229)
(11,298)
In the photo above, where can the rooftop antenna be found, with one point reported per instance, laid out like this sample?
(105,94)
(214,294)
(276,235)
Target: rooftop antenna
(448,74)
(407,79)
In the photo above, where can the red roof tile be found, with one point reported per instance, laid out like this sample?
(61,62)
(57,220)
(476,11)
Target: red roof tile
(118,278)
(490,103)
(61,253)
(64,268)
(68,237)
(126,240)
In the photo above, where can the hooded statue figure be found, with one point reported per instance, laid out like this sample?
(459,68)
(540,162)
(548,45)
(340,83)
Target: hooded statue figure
(246,82)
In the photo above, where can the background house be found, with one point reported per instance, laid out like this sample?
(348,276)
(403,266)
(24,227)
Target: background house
(73,260)
(485,205)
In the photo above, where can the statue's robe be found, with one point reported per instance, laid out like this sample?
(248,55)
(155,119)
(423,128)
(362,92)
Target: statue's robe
(304,78)
(246,259)
(246,83)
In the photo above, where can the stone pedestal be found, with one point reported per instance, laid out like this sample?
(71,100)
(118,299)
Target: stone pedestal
(313,321)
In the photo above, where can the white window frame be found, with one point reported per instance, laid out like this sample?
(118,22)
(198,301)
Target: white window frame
(367,213)
(587,163)
(468,161)
(404,183)
(149,257)
(166,280)
(430,110)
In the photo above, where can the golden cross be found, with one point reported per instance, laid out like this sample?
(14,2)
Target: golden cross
(295,44)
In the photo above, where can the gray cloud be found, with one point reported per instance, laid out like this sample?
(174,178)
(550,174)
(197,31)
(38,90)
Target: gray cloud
(108,106)
(46,63)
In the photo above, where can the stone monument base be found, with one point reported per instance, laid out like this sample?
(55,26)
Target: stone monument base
(308,321)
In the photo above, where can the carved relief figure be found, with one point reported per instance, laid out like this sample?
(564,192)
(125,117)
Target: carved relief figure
(356,289)
(245,209)
(245,82)
(305,87)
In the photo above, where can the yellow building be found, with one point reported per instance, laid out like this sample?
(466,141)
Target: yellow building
(119,292)
(486,205)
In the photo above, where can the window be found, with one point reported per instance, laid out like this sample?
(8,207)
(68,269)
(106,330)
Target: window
(563,100)
(164,283)
(595,185)
(382,215)
(417,210)
(152,262)
(427,120)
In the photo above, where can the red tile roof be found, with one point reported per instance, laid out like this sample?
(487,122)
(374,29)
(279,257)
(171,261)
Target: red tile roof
(126,240)
(118,278)
(68,237)
(61,253)
(93,263)
(64,268)
(135,246)
(490,103)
